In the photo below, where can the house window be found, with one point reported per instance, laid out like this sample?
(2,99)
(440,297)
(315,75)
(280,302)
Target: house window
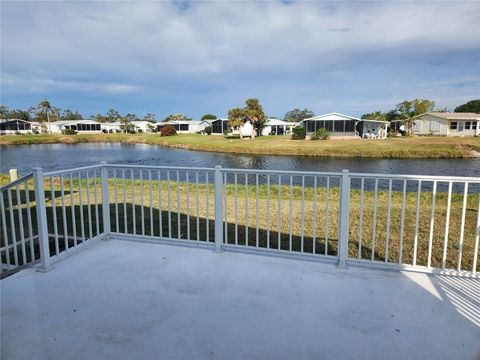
(453,125)
(468,125)
(416,126)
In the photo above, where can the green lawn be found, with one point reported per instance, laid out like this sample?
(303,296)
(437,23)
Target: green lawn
(416,147)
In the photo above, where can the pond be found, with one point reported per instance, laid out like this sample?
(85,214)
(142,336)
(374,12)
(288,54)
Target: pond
(61,156)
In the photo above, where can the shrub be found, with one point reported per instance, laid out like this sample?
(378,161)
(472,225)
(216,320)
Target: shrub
(298,133)
(69,132)
(208,130)
(320,134)
(168,130)
(139,131)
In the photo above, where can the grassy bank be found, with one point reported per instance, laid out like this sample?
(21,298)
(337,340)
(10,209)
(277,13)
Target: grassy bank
(182,216)
(417,147)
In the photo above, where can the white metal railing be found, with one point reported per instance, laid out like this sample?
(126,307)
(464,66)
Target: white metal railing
(423,223)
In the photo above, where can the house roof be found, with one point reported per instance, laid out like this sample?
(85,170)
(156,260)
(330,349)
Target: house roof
(276,122)
(452,116)
(332,116)
(73,122)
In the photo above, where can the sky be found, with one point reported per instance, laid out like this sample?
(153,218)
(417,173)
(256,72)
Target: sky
(206,57)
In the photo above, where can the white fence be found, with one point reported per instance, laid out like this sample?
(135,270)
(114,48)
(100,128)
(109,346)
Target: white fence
(422,223)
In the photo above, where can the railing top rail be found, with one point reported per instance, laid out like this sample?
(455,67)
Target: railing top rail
(416,177)
(66,171)
(159,167)
(16,182)
(282,172)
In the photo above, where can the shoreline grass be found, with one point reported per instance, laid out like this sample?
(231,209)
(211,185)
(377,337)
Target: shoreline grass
(416,147)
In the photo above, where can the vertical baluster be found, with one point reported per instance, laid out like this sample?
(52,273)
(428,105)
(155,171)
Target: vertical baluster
(402,221)
(54,212)
(279,211)
(29,220)
(447,224)
(160,217)
(64,212)
(462,227)
(72,210)
(4,230)
(290,225)
(236,208)
(12,226)
(115,191)
(432,220)
(80,198)
(327,211)
(360,225)
(302,239)
(256,211)
(20,225)
(417,220)
(477,238)
(187,184)
(142,202)
(151,201)
(197,192)
(268,211)
(179,235)
(208,206)
(97,220)
(124,190)
(389,205)
(225,208)
(134,220)
(168,206)
(314,226)
(246,209)
(374,226)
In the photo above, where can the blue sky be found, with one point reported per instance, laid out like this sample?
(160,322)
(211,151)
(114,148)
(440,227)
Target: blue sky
(206,57)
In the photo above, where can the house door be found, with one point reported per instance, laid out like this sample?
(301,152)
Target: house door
(461,126)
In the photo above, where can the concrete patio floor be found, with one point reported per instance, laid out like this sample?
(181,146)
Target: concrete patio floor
(128,300)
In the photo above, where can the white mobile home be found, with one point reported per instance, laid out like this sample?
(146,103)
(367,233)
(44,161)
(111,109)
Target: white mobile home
(18,126)
(80,126)
(185,127)
(446,124)
(112,127)
(278,127)
(345,126)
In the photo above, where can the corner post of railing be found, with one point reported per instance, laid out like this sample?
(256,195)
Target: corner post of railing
(218,209)
(41,220)
(344,218)
(105,200)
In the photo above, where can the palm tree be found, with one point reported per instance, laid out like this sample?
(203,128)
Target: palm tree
(125,124)
(236,118)
(254,112)
(45,109)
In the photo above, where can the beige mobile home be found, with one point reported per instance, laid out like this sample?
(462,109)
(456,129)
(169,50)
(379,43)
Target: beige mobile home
(447,124)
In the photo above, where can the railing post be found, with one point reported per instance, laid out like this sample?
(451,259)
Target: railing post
(218,209)
(105,200)
(41,220)
(344,218)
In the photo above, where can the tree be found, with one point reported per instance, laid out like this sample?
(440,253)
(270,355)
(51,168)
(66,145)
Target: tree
(44,111)
(236,118)
(131,117)
(149,117)
(177,117)
(20,114)
(297,115)
(4,112)
(254,112)
(376,115)
(99,117)
(125,124)
(209,117)
(422,106)
(471,106)
(70,115)
(113,115)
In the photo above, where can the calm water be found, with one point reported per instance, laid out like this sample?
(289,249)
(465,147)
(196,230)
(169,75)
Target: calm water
(61,156)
